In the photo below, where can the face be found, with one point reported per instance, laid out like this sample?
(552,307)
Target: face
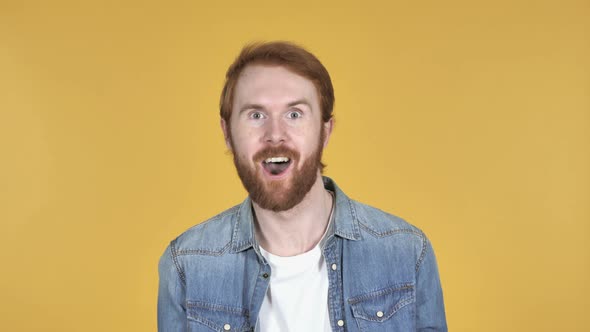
(276,135)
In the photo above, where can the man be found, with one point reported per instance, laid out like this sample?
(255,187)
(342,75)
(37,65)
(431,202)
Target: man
(297,254)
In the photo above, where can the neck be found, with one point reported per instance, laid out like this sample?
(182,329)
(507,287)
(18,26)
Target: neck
(298,230)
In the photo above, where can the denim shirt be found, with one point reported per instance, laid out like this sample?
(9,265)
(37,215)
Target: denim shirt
(382,273)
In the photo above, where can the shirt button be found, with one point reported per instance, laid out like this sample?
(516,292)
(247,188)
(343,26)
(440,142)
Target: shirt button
(265,276)
(379,314)
(341,323)
(334,267)
(227,327)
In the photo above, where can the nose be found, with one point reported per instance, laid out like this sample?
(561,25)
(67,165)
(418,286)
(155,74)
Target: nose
(274,132)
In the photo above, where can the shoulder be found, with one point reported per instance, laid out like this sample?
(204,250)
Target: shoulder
(390,233)
(382,224)
(210,237)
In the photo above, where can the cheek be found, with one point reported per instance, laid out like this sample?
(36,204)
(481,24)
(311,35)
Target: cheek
(311,137)
(243,137)
(244,147)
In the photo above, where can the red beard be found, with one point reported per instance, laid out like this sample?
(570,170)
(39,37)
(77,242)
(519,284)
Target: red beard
(284,194)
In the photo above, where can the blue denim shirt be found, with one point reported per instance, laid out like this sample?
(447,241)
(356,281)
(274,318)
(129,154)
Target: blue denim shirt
(382,273)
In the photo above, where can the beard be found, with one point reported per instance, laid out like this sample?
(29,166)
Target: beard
(283,194)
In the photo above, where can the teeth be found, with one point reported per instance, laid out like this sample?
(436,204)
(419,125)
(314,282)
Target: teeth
(277,160)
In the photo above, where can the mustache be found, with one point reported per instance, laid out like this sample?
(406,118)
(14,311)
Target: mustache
(275,151)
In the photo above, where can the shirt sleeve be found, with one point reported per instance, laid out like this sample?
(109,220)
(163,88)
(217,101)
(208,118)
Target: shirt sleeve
(171,294)
(430,308)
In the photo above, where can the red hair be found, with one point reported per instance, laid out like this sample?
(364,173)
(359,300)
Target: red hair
(288,55)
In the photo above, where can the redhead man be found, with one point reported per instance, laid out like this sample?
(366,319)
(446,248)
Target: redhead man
(297,254)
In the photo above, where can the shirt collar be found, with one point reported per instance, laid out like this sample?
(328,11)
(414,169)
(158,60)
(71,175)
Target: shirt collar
(345,223)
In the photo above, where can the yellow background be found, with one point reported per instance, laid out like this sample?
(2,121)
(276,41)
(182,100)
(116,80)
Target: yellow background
(471,119)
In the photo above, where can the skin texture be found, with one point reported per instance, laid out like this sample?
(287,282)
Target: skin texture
(276,112)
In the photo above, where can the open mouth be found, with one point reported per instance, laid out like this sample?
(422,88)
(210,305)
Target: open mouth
(276,165)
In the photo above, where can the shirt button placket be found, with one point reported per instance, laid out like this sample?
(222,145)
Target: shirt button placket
(340,321)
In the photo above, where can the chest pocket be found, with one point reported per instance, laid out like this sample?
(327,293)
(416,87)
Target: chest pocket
(390,309)
(208,317)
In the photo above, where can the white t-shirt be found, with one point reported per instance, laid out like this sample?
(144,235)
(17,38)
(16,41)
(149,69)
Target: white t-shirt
(297,296)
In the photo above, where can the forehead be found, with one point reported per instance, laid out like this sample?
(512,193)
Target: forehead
(268,84)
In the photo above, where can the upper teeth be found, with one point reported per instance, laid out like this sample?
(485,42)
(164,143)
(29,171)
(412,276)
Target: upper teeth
(277,160)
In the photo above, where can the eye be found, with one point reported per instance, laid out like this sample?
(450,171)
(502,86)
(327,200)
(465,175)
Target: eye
(294,115)
(256,115)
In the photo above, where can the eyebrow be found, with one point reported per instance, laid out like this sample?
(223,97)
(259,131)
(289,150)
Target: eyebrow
(291,104)
(299,102)
(249,107)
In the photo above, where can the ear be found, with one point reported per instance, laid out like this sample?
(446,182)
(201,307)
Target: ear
(226,134)
(328,126)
